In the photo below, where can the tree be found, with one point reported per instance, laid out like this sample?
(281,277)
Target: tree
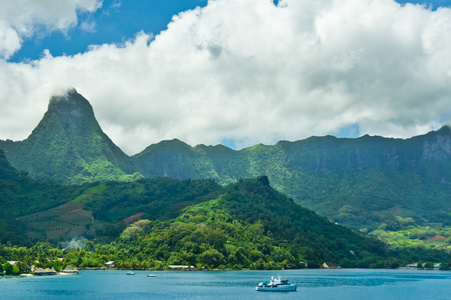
(444,266)
(8,268)
(211,257)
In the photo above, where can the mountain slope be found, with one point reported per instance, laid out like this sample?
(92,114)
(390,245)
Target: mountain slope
(68,145)
(249,224)
(245,224)
(21,195)
(356,182)
(366,183)
(250,214)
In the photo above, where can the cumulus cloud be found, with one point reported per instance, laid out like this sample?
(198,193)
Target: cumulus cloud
(21,19)
(248,71)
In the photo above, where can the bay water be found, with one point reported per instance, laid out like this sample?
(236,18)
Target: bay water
(312,284)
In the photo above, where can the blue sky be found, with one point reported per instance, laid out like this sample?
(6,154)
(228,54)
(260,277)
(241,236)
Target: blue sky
(114,22)
(118,20)
(238,72)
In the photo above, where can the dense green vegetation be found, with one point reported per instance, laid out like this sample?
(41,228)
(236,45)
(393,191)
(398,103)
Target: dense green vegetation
(249,225)
(386,187)
(361,183)
(356,182)
(20,195)
(412,236)
(154,223)
(244,225)
(68,146)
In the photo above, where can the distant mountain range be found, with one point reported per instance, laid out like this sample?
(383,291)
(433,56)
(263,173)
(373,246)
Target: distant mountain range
(365,183)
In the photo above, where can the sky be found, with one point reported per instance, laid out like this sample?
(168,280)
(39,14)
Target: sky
(235,72)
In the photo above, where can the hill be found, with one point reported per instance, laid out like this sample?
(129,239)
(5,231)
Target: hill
(249,224)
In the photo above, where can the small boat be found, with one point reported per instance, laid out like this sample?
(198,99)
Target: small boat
(276,285)
(131,270)
(151,275)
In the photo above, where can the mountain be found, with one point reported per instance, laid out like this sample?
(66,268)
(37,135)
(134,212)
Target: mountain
(368,183)
(361,183)
(248,223)
(68,146)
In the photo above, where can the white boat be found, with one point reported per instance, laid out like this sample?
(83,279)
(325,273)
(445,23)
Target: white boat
(131,270)
(151,275)
(276,285)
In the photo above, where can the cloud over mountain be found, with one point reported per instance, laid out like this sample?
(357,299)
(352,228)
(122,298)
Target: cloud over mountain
(249,71)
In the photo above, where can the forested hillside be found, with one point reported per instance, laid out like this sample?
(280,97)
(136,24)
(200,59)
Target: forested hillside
(361,183)
(369,183)
(68,146)
(242,225)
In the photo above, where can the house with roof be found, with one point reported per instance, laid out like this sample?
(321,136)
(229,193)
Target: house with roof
(109,264)
(45,272)
(70,270)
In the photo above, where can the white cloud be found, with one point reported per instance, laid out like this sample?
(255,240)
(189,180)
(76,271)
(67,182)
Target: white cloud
(251,72)
(20,19)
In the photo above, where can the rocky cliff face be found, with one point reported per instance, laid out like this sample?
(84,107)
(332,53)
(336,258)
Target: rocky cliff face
(71,104)
(438,146)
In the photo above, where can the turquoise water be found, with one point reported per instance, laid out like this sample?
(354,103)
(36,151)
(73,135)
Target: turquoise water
(312,284)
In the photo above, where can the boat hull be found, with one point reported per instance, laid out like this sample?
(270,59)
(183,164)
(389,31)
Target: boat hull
(286,288)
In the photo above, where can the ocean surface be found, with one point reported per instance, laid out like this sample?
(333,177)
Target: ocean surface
(312,284)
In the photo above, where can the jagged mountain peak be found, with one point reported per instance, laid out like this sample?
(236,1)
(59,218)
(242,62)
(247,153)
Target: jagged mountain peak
(70,103)
(446,128)
(68,145)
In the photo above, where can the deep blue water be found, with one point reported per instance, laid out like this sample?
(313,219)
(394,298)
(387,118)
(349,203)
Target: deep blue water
(312,284)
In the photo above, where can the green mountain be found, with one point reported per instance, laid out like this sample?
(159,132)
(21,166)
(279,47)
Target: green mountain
(68,146)
(248,219)
(368,183)
(361,183)
(246,224)
(249,224)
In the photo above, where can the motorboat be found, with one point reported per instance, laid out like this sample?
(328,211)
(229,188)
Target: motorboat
(276,285)
(151,275)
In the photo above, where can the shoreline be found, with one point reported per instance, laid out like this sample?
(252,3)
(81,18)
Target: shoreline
(214,270)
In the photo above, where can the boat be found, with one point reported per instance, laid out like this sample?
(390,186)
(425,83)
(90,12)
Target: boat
(276,285)
(131,270)
(151,275)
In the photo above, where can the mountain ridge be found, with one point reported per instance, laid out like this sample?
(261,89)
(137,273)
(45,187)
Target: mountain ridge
(356,182)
